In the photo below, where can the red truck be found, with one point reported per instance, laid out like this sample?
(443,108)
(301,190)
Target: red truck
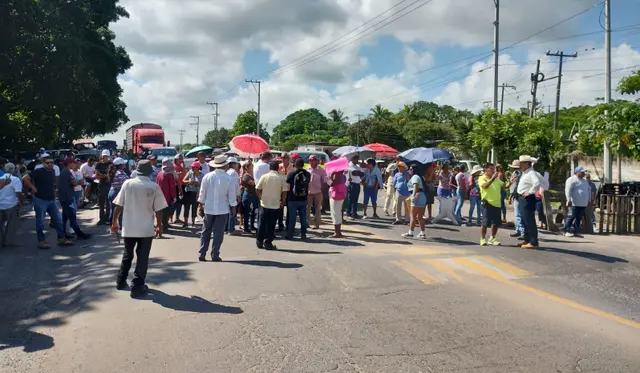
(144,136)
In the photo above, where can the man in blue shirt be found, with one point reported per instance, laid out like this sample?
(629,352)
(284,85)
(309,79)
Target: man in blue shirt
(400,182)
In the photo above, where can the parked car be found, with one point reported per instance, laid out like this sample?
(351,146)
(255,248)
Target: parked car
(164,152)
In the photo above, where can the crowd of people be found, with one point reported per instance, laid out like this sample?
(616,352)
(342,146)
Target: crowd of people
(140,201)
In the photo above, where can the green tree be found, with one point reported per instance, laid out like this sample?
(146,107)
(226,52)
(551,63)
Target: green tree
(246,123)
(380,113)
(372,130)
(422,133)
(59,72)
(336,115)
(217,138)
(308,122)
(630,85)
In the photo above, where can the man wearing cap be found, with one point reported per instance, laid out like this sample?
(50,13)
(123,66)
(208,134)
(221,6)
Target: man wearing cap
(167,183)
(104,173)
(217,198)
(515,198)
(139,201)
(314,197)
(271,190)
(578,195)
(42,181)
(10,200)
(530,182)
(67,198)
(234,167)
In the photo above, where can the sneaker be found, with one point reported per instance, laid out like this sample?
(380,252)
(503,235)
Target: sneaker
(483,242)
(494,242)
(365,217)
(422,235)
(514,234)
(64,242)
(139,291)
(408,234)
(303,237)
(43,245)
(122,285)
(397,222)
(569,234)
(386,213)
(84,236)
(216,259)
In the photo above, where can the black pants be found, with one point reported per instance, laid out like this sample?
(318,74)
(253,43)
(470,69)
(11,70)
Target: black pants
(189,202)
(166,214)
(529,220)
(281,218)
(103,202)
(267,227)
(142,247)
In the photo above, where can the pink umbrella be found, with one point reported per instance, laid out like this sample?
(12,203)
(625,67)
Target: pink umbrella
(248,146)
(338,165)
(382,150)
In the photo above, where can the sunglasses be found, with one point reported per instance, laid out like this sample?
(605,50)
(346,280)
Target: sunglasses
(49,162)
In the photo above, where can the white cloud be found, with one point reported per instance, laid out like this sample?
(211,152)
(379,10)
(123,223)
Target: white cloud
(415,61)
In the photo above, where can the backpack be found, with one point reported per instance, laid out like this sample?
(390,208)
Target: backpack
(300,184)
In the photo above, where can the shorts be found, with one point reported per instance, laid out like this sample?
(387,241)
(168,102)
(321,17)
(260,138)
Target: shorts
(491,215)
(419,201)
(370,193)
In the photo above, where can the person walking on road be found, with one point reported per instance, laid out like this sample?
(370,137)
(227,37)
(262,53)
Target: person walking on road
(67,198)
(515,198)
(191,182)
(272,190)
(474,194)
(298,185)
(284,169)
(217,198)
(461,191)
(119,178)
(355,173)
(418,202)
(370,187)
(578,193)
(390,200)
(42,182)
(401,185)
(234,167)
(169,187)
(491,186)
(139,201)
(337,193)
(530,183)
(104,173)
(10,202)
(316,185)
(249,198)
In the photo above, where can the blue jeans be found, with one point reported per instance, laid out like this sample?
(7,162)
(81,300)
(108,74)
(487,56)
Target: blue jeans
(354,195)
(113,193)
(577,214)
(231,221)
(43,207)
(475,203)
(69,213)
(296,208)
(458,210)
(213,224)
(529,220)
(519,228)
(77,198)
(249,205)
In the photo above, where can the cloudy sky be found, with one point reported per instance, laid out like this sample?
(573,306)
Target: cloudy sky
(353,54)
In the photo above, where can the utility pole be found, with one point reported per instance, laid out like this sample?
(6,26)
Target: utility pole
(496,54)
(215,115)
(181,132)
(608,160)
(254,82)
(197,125)
(562,56)
(503,86)
(536,78)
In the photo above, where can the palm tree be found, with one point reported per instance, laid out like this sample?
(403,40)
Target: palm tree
(379,112)
(337,115)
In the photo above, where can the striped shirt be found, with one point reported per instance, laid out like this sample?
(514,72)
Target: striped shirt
(118,179)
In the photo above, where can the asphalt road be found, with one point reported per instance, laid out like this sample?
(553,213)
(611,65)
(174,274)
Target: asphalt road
(372,302)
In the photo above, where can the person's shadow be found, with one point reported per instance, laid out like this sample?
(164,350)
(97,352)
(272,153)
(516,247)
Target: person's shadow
(29,340)
(189,304)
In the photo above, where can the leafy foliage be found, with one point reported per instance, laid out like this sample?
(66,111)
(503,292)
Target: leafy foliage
(630,85)
(59,73)
(247,123)
(217,138)
(619,124)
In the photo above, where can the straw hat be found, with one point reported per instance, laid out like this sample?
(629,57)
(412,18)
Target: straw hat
(476,169)
(515,164)
(219,161)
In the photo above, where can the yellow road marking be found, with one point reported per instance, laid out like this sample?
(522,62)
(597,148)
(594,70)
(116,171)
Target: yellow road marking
(478,268)
(355,229)
(441,266)
(416,272)
(513,270)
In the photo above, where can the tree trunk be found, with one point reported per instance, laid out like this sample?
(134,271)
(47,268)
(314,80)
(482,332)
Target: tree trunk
(619,169)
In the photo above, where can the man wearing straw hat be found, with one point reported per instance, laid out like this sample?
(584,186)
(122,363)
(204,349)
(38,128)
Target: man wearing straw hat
(530,182)
(217,198)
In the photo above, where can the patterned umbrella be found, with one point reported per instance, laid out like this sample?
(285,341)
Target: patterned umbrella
(382,150)
(349,151)
(248,146)
(426,155)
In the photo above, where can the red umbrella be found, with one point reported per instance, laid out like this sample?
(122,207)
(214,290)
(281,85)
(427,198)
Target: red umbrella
(382,150)
(248,146)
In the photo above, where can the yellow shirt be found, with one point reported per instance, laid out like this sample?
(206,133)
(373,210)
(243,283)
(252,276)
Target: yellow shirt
(492,194)
(271,185)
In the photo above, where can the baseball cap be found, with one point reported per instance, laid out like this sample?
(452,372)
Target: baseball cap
(106,152)
(579,169)
(119,161)
(313,158)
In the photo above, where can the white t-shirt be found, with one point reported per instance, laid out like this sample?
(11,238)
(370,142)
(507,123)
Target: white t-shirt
(89,171)
(260,169)
(56,169)
(140,199)
(79,176)
(205,167)
(355,167)
(8,197)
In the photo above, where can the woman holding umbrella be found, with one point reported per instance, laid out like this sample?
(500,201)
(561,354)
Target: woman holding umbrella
(418,202)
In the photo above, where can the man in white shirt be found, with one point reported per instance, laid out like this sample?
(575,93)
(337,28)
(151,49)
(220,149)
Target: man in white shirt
(262,166)
(217,198)
(578,193)
(355,174)
(203,163)
(10,200)
(139,200)
(234,167)
(530,182)
(88,170)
